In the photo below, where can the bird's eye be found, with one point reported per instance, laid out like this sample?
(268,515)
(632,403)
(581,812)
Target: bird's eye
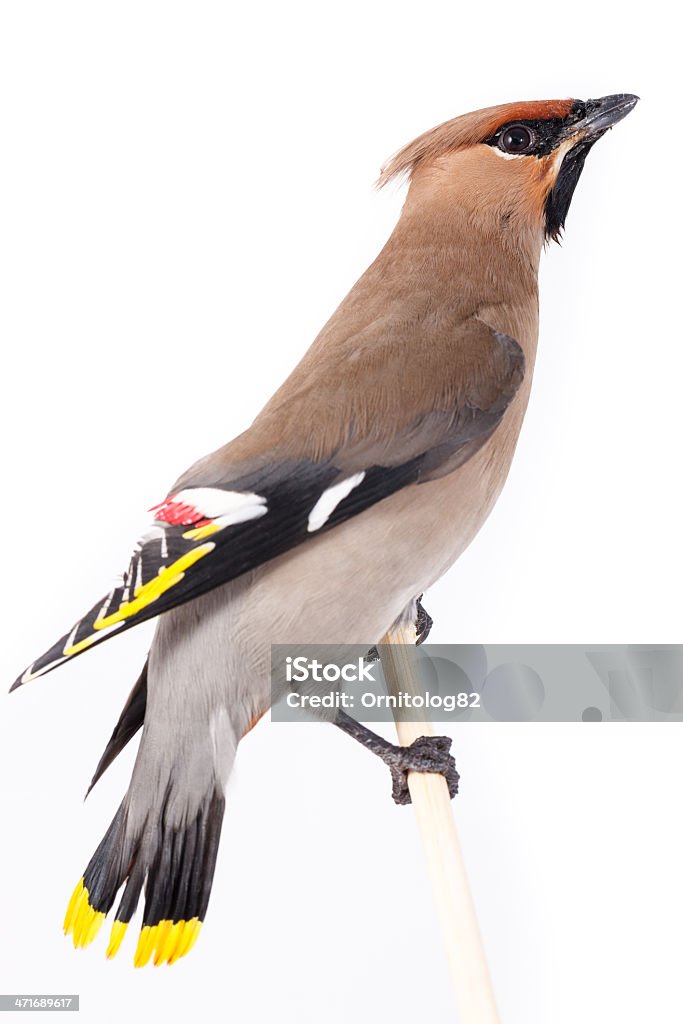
(516,139)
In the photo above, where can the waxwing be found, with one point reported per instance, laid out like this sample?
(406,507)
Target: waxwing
(355,488)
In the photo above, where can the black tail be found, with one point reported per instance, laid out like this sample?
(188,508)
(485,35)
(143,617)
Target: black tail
(176,867)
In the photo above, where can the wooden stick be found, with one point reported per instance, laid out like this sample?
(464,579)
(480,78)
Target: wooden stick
(429,792)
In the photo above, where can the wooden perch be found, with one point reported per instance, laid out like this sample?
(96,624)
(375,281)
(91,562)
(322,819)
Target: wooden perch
(429,793)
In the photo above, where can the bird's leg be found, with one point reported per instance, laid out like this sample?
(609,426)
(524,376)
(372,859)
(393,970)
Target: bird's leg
(425,754)
(423,625)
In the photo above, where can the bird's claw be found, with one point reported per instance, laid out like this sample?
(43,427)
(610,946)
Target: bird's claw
(423,625)
(425,754)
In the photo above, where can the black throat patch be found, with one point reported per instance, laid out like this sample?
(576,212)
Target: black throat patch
(560,196)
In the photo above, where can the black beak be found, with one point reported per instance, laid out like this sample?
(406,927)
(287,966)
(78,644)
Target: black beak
(590,122)
(603,113)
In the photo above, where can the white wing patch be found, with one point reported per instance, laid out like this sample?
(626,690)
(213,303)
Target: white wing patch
(213,503)
(208,509)
(329,499)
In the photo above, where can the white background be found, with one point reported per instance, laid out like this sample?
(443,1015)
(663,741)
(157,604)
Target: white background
(185,195)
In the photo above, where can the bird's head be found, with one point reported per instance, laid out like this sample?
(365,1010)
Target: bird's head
(514,164)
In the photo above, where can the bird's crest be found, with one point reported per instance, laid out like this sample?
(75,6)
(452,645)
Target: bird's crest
(467,130)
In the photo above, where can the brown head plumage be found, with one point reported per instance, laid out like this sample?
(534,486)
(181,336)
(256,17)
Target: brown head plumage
(544,144)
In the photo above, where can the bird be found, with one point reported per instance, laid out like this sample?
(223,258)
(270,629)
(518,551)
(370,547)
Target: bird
(356,487)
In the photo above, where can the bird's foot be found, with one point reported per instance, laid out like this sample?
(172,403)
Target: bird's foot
(423,625)
(425,754)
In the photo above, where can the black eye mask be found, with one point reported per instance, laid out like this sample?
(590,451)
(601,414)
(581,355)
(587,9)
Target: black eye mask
(543,134)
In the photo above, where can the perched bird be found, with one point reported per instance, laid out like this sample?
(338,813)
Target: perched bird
(355,488)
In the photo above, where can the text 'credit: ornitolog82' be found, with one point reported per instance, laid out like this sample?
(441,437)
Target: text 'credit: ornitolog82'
(483,683)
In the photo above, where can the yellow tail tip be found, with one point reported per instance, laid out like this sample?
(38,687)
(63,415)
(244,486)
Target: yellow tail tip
(168,941)
(146,944)
(79,893)
(88,923)
(81,919)
(96,922)
(118,930)
(191,935)
(162,942)
(174,941)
